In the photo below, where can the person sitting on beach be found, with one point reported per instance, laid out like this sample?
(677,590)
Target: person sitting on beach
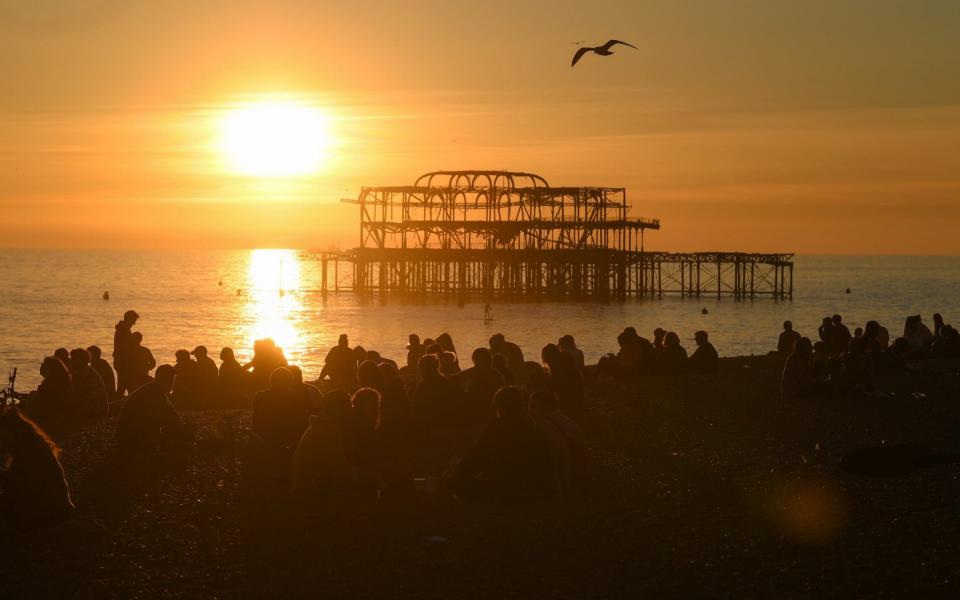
(89,396)
(207,374)
(435,408)
(63,355)
(946,344)
(267,358)
(799,379)
(142,361)
(937,324)
(705,358)
(446,342)
(871,333)
(147,419)
(673,357)
(104,370)
(627,362)
(894,357)
(858,333)
(232,380)
(280,415)
(788,338)
(568,346)
(449,366)
(393,421)
(481,382)
(52,398)
(828,339)
(124,356)
(917,334)
(414,351)
(658,338)
(570,457)
(33,489)
(360,429)
(340,365)
(186,388)
(500,345)
(320,457)
(859,367)
(500,364)
(311,393)
(511,462)
(564,380)
(841,334)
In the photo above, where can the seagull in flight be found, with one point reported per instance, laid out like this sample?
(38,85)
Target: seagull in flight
(603,50)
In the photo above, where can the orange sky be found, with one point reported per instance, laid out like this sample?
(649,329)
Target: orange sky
(821,127)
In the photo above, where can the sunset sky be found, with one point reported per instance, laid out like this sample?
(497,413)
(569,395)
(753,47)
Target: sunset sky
(814,127)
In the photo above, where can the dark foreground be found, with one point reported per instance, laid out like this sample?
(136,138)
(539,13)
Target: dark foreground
(709,488)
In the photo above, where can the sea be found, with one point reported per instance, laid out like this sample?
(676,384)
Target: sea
(54,298)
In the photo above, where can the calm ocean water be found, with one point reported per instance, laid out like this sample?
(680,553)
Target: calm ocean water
(52,298)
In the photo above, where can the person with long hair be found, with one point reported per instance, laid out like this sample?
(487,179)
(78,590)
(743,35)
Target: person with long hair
(35,492)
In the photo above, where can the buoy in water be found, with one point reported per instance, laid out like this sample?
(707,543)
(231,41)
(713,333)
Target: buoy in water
(106,295)
(220,282)
(704,311)
(238,291)
(848,290)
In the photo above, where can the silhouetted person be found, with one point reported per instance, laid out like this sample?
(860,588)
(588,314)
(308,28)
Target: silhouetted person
(142,361)
(481,382)
(232,380)
(894,356)
(499,345)
(33,490)
(280,416)
(568,346)
(320,458)
(916,333)
(446,342)
(511,462)
(104,370)
(937,324)
(207,375)
(340,365)
(500,364)
(946,344)
(673,357)
(360,428)
(63,355)
(393,422)
(414,351)
(658,336)
(267,358)
(53,397)
(89,394)
(147,419)
(186,388)
(564,380)
(705,358)
(566,442)
(449,365)
(841,335)
(828,337)
(312,394)
(123,352)
(788,338)
(435,409)
(799,378)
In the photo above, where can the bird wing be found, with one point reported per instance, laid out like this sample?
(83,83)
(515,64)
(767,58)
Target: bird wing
(580,54)
(612,43)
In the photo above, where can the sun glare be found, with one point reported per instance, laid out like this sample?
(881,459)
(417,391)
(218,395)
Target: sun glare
(275,139)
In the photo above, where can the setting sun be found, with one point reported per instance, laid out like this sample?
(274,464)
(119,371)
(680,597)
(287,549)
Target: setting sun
(275,139)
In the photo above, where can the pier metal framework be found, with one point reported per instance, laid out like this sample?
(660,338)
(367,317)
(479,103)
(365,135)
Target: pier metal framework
(511,233)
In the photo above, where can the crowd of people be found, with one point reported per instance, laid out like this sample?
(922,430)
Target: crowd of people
(844,362)
(501,427)
(664,355)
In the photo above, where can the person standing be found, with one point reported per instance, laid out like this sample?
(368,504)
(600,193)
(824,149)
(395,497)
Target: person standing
(124,359)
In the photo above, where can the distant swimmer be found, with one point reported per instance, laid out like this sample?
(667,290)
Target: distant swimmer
(487,313)
(106,295)
(220,282)
(704,311)
(603,50)
(238,291)
(848,290)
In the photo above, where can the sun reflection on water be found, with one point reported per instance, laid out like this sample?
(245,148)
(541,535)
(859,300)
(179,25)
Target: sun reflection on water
(273,301)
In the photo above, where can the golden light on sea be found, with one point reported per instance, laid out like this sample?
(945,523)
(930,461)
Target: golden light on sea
(275,138)
(273,306)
